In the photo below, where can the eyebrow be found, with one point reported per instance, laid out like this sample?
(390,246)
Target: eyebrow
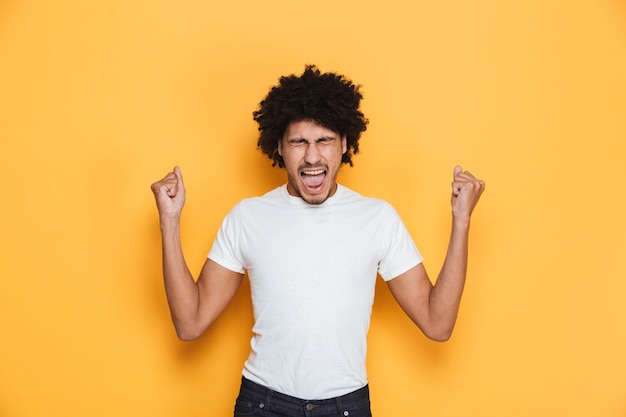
(300,139)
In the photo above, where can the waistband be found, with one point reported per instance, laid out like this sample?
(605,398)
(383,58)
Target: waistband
(268,396)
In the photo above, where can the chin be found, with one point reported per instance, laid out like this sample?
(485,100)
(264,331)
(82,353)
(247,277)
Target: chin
(317,198)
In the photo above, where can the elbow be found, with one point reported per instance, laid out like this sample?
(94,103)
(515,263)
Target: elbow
(434,329)
(440,337)
(438,329)
(191,328)
(188,333)
(438,334)
(187,336)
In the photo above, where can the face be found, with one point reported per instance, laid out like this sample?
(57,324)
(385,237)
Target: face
(312,157)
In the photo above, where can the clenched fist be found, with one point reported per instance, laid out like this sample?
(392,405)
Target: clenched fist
(169,194)
(466,191)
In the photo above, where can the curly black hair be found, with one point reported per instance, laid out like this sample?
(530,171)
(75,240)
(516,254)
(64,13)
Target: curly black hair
(328,99)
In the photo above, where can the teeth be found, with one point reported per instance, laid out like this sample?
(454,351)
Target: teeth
(318,172)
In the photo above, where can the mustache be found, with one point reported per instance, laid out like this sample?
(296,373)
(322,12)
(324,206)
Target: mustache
(312,167)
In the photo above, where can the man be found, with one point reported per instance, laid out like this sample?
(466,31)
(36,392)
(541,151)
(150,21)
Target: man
(312,250)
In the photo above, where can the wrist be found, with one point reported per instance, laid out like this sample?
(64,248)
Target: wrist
(460,222)
(169,221)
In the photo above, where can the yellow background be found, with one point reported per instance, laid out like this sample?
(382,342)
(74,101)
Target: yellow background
(100,99)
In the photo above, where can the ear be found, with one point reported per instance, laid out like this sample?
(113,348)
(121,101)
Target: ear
(344,144)
(279,142)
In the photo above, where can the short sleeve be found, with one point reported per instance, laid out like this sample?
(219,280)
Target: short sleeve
(226,249)
(399,251)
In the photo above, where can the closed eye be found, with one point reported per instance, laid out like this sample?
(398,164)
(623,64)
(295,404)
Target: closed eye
(297,142)
(324,140)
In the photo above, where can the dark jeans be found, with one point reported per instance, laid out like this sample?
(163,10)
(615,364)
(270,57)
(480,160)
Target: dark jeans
(257,400)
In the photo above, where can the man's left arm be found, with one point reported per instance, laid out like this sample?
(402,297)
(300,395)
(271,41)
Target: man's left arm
(434,308)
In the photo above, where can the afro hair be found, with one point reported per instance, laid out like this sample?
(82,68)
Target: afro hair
(328,99)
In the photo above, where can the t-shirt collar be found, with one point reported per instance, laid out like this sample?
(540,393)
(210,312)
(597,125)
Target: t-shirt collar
(298,201)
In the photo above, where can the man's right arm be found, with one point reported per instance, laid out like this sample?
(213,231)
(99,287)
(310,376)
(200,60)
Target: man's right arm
(194,305)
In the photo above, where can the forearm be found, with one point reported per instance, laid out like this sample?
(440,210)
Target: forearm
(434,308)
(445,296)
(180,287)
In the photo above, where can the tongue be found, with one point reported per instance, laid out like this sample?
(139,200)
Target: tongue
(313,181)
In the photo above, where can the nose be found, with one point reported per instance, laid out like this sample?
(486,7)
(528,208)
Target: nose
(311,154)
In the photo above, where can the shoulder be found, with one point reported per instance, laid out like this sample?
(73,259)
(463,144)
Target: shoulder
(258,204)
(349,196)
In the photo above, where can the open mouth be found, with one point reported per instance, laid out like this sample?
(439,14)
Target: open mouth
(313,179)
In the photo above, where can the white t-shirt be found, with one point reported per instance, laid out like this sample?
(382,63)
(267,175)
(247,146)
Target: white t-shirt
(312,272)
